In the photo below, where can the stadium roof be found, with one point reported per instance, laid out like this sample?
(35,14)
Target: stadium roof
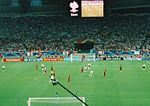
(62,5)
(129,3)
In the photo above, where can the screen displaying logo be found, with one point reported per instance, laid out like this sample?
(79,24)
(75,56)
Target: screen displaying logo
(74,8)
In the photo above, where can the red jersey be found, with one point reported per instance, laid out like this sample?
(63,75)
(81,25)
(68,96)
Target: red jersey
(81,69)
(105,73)
(68,78)
(36,66)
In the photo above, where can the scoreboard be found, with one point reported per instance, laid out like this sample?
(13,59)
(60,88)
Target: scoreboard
(92,8)
(87,8)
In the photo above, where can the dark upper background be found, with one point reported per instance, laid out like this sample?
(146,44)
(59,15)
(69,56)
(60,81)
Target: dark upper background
(58,6)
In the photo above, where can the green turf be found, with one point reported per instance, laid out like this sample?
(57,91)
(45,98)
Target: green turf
(128,88)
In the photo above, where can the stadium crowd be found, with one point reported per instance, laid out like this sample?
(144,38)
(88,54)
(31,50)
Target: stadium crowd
(58,33)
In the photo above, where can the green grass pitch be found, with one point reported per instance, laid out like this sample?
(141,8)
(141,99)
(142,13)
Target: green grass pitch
(131,87)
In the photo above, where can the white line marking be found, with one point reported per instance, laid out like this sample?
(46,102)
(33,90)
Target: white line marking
(148,62)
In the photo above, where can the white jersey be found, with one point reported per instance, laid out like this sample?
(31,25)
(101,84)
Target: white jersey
(85,68)
(45,68)
(89,65)
(143,65)
(52,73)
(3,67)
(42,65)
(52,77)
(91,73)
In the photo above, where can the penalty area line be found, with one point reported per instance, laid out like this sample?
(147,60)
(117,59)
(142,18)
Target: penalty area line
(148,62)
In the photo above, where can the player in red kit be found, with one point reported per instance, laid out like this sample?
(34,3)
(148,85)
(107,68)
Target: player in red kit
(82,69)
(105,73)
(68,78)
(120,67)
(36,66)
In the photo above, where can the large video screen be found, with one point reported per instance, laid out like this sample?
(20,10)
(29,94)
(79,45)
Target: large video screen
(92,8)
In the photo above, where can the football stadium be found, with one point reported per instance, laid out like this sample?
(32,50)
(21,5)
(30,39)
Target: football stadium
(74,53)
